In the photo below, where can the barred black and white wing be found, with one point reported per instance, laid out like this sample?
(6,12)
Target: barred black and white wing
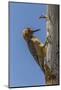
(36,49)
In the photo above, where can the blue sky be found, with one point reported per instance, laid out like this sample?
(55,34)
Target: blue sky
(24,71)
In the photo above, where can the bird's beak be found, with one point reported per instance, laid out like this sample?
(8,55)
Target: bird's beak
(35,30)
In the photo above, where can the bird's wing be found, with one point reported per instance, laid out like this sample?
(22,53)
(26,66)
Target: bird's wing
(40,50)
(31,46)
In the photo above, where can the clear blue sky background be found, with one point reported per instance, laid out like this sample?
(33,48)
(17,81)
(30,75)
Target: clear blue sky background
(24,71)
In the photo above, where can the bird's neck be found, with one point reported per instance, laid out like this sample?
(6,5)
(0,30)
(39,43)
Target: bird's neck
(29,39)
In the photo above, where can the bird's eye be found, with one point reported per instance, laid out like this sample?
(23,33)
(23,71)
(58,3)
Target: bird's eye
(29,31)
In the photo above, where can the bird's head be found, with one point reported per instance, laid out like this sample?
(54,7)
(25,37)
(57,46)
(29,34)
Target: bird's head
(28,33)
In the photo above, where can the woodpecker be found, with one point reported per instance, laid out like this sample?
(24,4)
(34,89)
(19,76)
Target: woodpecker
(36,48)
(39,52)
